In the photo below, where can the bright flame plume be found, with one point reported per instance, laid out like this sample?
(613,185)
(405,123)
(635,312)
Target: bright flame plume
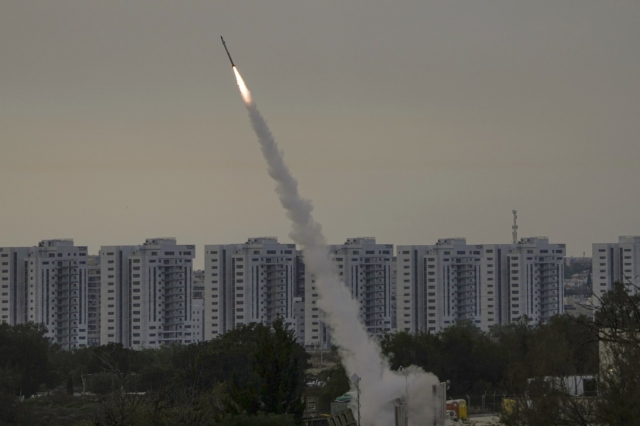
(246,95)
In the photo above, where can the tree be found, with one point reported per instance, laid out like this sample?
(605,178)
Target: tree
(569,346)
(276,381)
(229,357)
(117,362)
(24,362)
(335,383)
(618,323)
(280,365)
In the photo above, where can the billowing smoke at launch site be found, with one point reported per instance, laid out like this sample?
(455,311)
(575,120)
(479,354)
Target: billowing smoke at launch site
(378,385)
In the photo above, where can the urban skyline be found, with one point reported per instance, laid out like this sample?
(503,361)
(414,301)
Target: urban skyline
(150,294)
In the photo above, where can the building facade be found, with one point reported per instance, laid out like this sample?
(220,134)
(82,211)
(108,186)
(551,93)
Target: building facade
(254,282)
(13,289)
(486,284)
(615,262)
(536,280)
(93,302)
(451,281)
(146,293)
(47,284)
(367,269)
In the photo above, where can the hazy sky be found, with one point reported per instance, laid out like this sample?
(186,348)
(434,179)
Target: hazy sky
(404,120)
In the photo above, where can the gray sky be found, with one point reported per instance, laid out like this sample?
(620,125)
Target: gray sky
(405,120)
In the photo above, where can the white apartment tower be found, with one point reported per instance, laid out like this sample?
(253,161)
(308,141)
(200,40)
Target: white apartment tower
(13,288)
(536,280)
(487,284)
(254,282)
(146,294)
(616,262)
(366,268)
(439,285)
(47,284)
(411,302)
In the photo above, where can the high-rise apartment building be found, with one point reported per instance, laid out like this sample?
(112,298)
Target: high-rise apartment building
(47,284)
(615,262)
(13,288)
(536,280)
(487,284)
(146,293)
(411,294)
(366,268)
(439,285)
(254,282)
(93,300)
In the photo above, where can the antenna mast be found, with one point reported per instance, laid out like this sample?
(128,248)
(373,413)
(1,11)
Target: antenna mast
(514,228)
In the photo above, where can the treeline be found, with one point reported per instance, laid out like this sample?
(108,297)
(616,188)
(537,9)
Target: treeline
(251,375)
(258,375)
(502,359)
(531,363)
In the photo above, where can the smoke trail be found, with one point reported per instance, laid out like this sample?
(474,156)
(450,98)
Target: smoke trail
(361,355)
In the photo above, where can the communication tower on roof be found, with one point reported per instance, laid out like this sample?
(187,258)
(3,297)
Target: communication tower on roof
(514,228)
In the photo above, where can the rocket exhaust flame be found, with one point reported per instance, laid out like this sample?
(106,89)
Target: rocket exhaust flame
(246,95)
(379,385)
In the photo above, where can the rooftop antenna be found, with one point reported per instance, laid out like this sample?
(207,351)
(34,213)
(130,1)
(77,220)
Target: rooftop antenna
(514,228)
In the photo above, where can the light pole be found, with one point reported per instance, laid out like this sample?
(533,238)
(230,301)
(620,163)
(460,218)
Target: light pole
(355,379)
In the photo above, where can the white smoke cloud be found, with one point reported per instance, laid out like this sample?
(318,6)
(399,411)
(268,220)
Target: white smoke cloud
(379,386)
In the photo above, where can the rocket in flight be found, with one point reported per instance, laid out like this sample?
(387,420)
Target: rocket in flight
(228,54)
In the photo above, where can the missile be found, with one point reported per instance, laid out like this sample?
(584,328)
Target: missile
(228,54)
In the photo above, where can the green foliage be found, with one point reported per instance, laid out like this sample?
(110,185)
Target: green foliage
(24,363)
(568,347)
(280,369)
(335,383)
(576,267)
(475,361)
(115,358)
(249,372)
(275,380)
(54,410)
(228,357)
